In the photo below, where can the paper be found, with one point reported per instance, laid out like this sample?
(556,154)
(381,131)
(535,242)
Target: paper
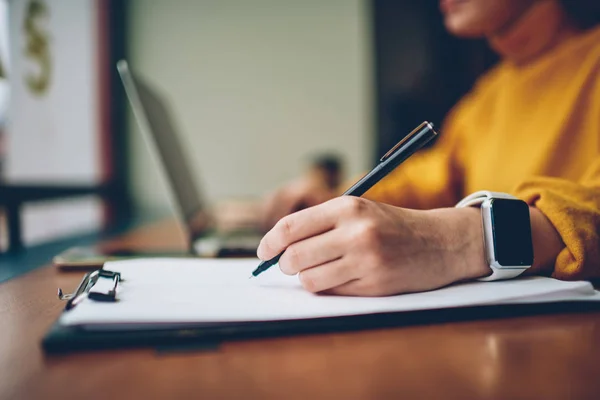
(173,291)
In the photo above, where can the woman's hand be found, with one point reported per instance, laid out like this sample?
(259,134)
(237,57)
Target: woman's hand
(353,246)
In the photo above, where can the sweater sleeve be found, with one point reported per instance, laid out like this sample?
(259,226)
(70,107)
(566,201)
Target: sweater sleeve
(574,210)
(431,178)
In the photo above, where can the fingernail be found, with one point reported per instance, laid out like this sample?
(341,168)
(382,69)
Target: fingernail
(259,252)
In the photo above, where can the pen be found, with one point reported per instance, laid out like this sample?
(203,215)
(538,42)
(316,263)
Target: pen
(412,142)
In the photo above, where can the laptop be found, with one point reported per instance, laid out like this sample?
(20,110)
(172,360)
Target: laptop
(185,198)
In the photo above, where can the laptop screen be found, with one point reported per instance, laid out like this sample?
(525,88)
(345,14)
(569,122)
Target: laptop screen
(160,134)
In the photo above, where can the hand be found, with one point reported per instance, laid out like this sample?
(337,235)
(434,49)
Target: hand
(354,246)
(232,215)
(304,192)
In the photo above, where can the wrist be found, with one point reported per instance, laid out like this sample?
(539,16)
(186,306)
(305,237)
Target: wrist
(474,263)
(547,243)
(464,252)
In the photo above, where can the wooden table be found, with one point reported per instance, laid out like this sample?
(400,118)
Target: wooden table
(543,357)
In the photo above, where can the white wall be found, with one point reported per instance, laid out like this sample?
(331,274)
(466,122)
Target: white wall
(257,86)
(4,61)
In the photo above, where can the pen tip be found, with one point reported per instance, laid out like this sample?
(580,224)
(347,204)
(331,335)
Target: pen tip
(251,276)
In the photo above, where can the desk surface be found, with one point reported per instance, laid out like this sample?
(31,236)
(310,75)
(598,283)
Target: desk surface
(551,356)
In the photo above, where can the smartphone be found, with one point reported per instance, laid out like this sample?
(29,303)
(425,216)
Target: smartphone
(93,257)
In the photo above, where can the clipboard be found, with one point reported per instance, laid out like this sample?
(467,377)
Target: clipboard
(62,340)
(102,286)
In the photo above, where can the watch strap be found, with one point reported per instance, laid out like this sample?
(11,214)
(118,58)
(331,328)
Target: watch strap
(499,274)
(475,199)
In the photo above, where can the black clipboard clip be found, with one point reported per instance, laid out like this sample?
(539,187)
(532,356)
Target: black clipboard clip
(100,285)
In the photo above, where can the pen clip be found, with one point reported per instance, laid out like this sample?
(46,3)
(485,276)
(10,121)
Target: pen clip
(405,139)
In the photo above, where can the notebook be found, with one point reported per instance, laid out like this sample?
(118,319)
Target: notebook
(166,293)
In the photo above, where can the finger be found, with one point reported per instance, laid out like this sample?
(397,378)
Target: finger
(313,251)
(327,276)
(295,227)
(365,287)
(355,287)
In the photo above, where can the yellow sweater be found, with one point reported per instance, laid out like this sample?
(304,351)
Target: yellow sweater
(532,131)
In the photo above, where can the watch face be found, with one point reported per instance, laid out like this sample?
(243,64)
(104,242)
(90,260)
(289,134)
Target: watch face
(511,229)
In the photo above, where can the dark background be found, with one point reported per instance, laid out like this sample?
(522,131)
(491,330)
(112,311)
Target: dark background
(421,71)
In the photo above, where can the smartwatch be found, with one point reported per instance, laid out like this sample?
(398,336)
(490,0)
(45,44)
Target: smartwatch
(506,233)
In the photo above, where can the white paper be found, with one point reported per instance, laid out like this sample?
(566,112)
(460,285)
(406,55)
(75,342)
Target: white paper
(173,291)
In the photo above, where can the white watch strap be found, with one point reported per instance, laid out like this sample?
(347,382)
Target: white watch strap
(475,199)
(499,274)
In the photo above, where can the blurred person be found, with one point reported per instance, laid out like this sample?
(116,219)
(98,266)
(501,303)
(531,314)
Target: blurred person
(318,184)
(530,128)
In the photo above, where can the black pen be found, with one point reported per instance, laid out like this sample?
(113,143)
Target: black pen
(420,136)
